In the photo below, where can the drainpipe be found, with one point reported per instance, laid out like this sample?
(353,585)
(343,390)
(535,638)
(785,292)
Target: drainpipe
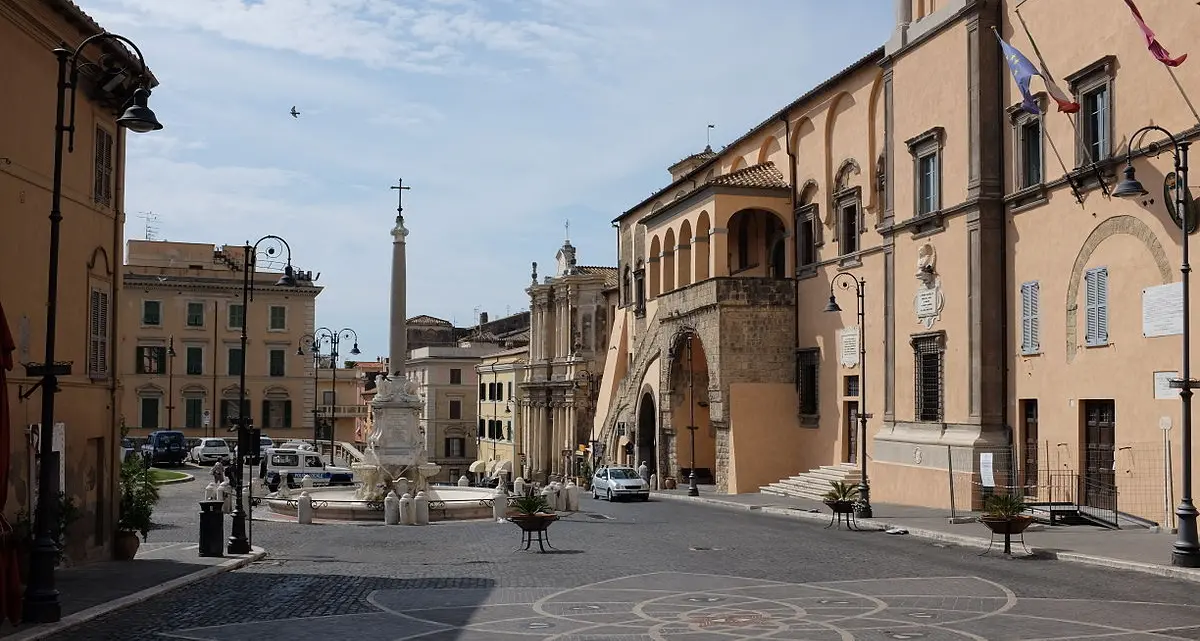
(114,312)
(787,135)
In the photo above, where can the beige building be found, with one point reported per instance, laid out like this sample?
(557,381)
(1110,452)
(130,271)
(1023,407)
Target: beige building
(502,442)
(186,298)
(88,403)
(988,272)
(569,331)
(446,380)
(344,410)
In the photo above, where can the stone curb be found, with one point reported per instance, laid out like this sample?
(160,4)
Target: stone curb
(187,478)
(83,616)
(1166,571)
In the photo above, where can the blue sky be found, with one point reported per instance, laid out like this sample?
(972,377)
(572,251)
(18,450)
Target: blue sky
(507,117)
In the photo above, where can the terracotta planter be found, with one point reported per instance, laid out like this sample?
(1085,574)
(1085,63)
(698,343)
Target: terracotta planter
(534,522)
(669,483)
(125,545)
(841,507)
(1010,525)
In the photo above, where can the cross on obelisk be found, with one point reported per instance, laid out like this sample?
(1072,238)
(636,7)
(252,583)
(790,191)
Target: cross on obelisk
(567,227)
(400,189)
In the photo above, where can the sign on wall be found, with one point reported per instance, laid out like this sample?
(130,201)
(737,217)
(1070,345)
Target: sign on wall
(1162,310)
(1162,386)
(848,340)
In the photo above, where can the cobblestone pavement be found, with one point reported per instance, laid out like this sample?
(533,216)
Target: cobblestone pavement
(657,570)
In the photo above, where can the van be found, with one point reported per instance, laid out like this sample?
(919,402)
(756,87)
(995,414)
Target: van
(165,447)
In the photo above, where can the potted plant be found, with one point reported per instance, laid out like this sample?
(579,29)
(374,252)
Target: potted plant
(1003,514)
(23,533)
(841,497)
(139,494)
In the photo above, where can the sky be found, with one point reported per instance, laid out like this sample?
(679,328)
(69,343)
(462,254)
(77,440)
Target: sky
(506,118)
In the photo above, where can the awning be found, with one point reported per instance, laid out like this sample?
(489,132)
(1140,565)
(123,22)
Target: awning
(478,467)
(502,467)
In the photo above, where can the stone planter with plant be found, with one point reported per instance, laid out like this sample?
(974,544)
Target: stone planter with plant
(139,495)
(841,497)
(1004,514)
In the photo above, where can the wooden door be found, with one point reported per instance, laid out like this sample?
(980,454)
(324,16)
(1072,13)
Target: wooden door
(1099,439)
(851,431)
(1029,428)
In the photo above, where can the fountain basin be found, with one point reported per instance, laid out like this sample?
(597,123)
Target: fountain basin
(446,503)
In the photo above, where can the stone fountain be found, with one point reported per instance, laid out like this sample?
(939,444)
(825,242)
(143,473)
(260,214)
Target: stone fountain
(395,446)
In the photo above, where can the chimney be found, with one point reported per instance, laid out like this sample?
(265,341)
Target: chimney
(483,318)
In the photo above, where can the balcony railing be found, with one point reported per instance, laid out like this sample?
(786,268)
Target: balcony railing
(344,411)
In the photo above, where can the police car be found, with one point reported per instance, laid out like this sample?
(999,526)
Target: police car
(292,465)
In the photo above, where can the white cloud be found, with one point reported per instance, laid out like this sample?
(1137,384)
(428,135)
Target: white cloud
(505,116)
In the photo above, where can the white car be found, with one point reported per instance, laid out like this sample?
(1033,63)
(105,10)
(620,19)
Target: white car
(298,445)
(210,450)
(619,482)
(283,464)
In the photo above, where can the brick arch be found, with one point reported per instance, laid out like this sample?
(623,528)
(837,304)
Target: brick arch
(667,264)
(1123,224)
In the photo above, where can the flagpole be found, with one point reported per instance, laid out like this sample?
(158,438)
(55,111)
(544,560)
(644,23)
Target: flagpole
(1184,94)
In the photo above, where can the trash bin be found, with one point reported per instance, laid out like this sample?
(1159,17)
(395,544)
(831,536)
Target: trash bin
(212,528)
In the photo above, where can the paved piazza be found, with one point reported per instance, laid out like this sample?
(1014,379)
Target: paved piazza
(657,570)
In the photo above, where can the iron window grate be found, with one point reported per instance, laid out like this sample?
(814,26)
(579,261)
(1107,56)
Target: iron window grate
(928,370)
(808,373)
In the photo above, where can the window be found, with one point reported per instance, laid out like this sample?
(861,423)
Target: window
(1029,151)
(491,429)
(482,427)
(235,361)
(482,392)
(193,412)
(1096,306)
(230,413)
(627,285)
(278,318)
(851,386)
(510,386)
(508,428)
(277,413)
(149,410)
(237,313)
(152,312)
(455,448)
(808,363)
(102,192)
(327,397)
(278,364)
(1093,88)
(195,360)
(639,289)
(151,360)
(1030,331)
(499,391)
(848,227)
(98,334)
(927,370)
(1029,420)
(456,376)
(195,314)
(455,409)
(926,151)
(806,235)
(491,391)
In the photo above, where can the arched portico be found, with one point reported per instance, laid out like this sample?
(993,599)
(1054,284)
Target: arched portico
(757,244)
(695,439)
(647,432)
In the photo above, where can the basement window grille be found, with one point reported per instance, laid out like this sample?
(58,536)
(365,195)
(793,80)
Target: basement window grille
(928,370)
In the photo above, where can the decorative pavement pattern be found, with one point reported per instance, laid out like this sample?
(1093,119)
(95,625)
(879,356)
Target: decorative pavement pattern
(701,607)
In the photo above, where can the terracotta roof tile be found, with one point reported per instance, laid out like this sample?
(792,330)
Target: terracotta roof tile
(701,156)
(764,176)
(425,319)
(609,274)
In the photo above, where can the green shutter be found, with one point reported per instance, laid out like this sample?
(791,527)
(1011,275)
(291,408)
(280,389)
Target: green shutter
(287,413)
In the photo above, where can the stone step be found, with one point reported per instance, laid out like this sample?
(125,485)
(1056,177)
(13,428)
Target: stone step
(789,492)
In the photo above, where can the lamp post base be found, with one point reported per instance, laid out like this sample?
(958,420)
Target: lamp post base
(238,543)
(41,598)
(693,490)
(1186,552)
(862,508)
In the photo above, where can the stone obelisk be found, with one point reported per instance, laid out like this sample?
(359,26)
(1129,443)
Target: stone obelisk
(398,338)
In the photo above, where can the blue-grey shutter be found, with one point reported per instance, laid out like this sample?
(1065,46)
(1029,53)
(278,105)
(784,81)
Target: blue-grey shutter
(1096,303)
(1026,328)
(1035,333)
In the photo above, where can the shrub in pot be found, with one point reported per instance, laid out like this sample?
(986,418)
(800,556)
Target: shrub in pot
(532,505)
(139,495)
(841,497)
(1004,514)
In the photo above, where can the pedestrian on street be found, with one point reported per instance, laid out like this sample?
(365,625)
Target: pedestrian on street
(644,472)
(218,472)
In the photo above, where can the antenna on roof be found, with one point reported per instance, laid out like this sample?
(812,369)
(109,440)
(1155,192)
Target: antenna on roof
(151,225)
(708,135)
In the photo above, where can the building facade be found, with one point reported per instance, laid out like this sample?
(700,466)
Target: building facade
(1010,304)
(502,443)
(88,403)
(339,408)
(447,381)
(572,313)
(179,342)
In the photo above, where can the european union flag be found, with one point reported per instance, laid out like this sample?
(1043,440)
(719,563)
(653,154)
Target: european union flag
(1022,71)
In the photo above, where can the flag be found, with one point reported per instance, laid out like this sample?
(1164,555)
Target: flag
(1022,71)
(1156,49)
(1065,103)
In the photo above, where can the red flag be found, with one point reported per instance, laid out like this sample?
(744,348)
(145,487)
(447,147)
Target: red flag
(1156,49)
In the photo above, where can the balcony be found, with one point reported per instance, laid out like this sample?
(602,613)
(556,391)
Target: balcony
(344,411)
(728,292)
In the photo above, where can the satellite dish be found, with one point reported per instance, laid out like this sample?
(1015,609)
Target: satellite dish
(1169,200)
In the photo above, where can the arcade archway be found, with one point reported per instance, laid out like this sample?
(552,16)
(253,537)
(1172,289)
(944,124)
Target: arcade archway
(696,443)
(647,429)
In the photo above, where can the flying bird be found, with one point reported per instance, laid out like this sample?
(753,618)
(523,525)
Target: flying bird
(295,114)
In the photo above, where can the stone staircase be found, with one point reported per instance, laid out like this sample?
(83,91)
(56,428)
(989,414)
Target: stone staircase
(629,386)
(814,483)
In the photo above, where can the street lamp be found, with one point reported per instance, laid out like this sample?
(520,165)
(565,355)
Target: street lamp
(693,489)
(846,280)
(41,596)
(239,543)
(1186,552)
(171,384)
(334,339)
(316,354)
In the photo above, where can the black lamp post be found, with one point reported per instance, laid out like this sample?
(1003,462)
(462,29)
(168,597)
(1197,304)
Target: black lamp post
(316,410)
(1186,552)
(239,543)
(171,383)
(334,339)
(41,595)
(846,280)
(693,489)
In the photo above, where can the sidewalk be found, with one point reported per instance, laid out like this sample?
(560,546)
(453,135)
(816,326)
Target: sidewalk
(1139,550)
(93,590)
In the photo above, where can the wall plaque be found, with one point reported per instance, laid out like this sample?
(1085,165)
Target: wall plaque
(1162,310)
(1162,386)
(848,341)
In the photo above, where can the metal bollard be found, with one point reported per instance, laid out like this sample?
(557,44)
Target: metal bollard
(391,509)
(499,504)
(212,529)
(304,510)
(421,509)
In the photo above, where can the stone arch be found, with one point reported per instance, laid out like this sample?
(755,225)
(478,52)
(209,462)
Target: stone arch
(680,194)
(648,426)
(751,235)
(840,103)
(1122,224)
(804,125)
(841,179)
(875,142)
(100,259)
(712,173)
(808,192)
(738,163)
(702,253)
(683,255)
(667,265)
(769,146)
(653,272)
(656,206)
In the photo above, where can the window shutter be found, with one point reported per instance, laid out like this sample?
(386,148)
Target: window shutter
(1035,332)
(1091,313)
(266,415)
(287,413)
(1096,301)
(140,356)
(1029,318)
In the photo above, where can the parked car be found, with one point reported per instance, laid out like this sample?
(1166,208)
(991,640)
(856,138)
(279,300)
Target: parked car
(165,447)
(210,450)
(298,445)
(619,482)
(128,447)
(265,444)
(292,465)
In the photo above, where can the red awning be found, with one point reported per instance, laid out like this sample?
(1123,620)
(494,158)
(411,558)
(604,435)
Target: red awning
(10,577)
